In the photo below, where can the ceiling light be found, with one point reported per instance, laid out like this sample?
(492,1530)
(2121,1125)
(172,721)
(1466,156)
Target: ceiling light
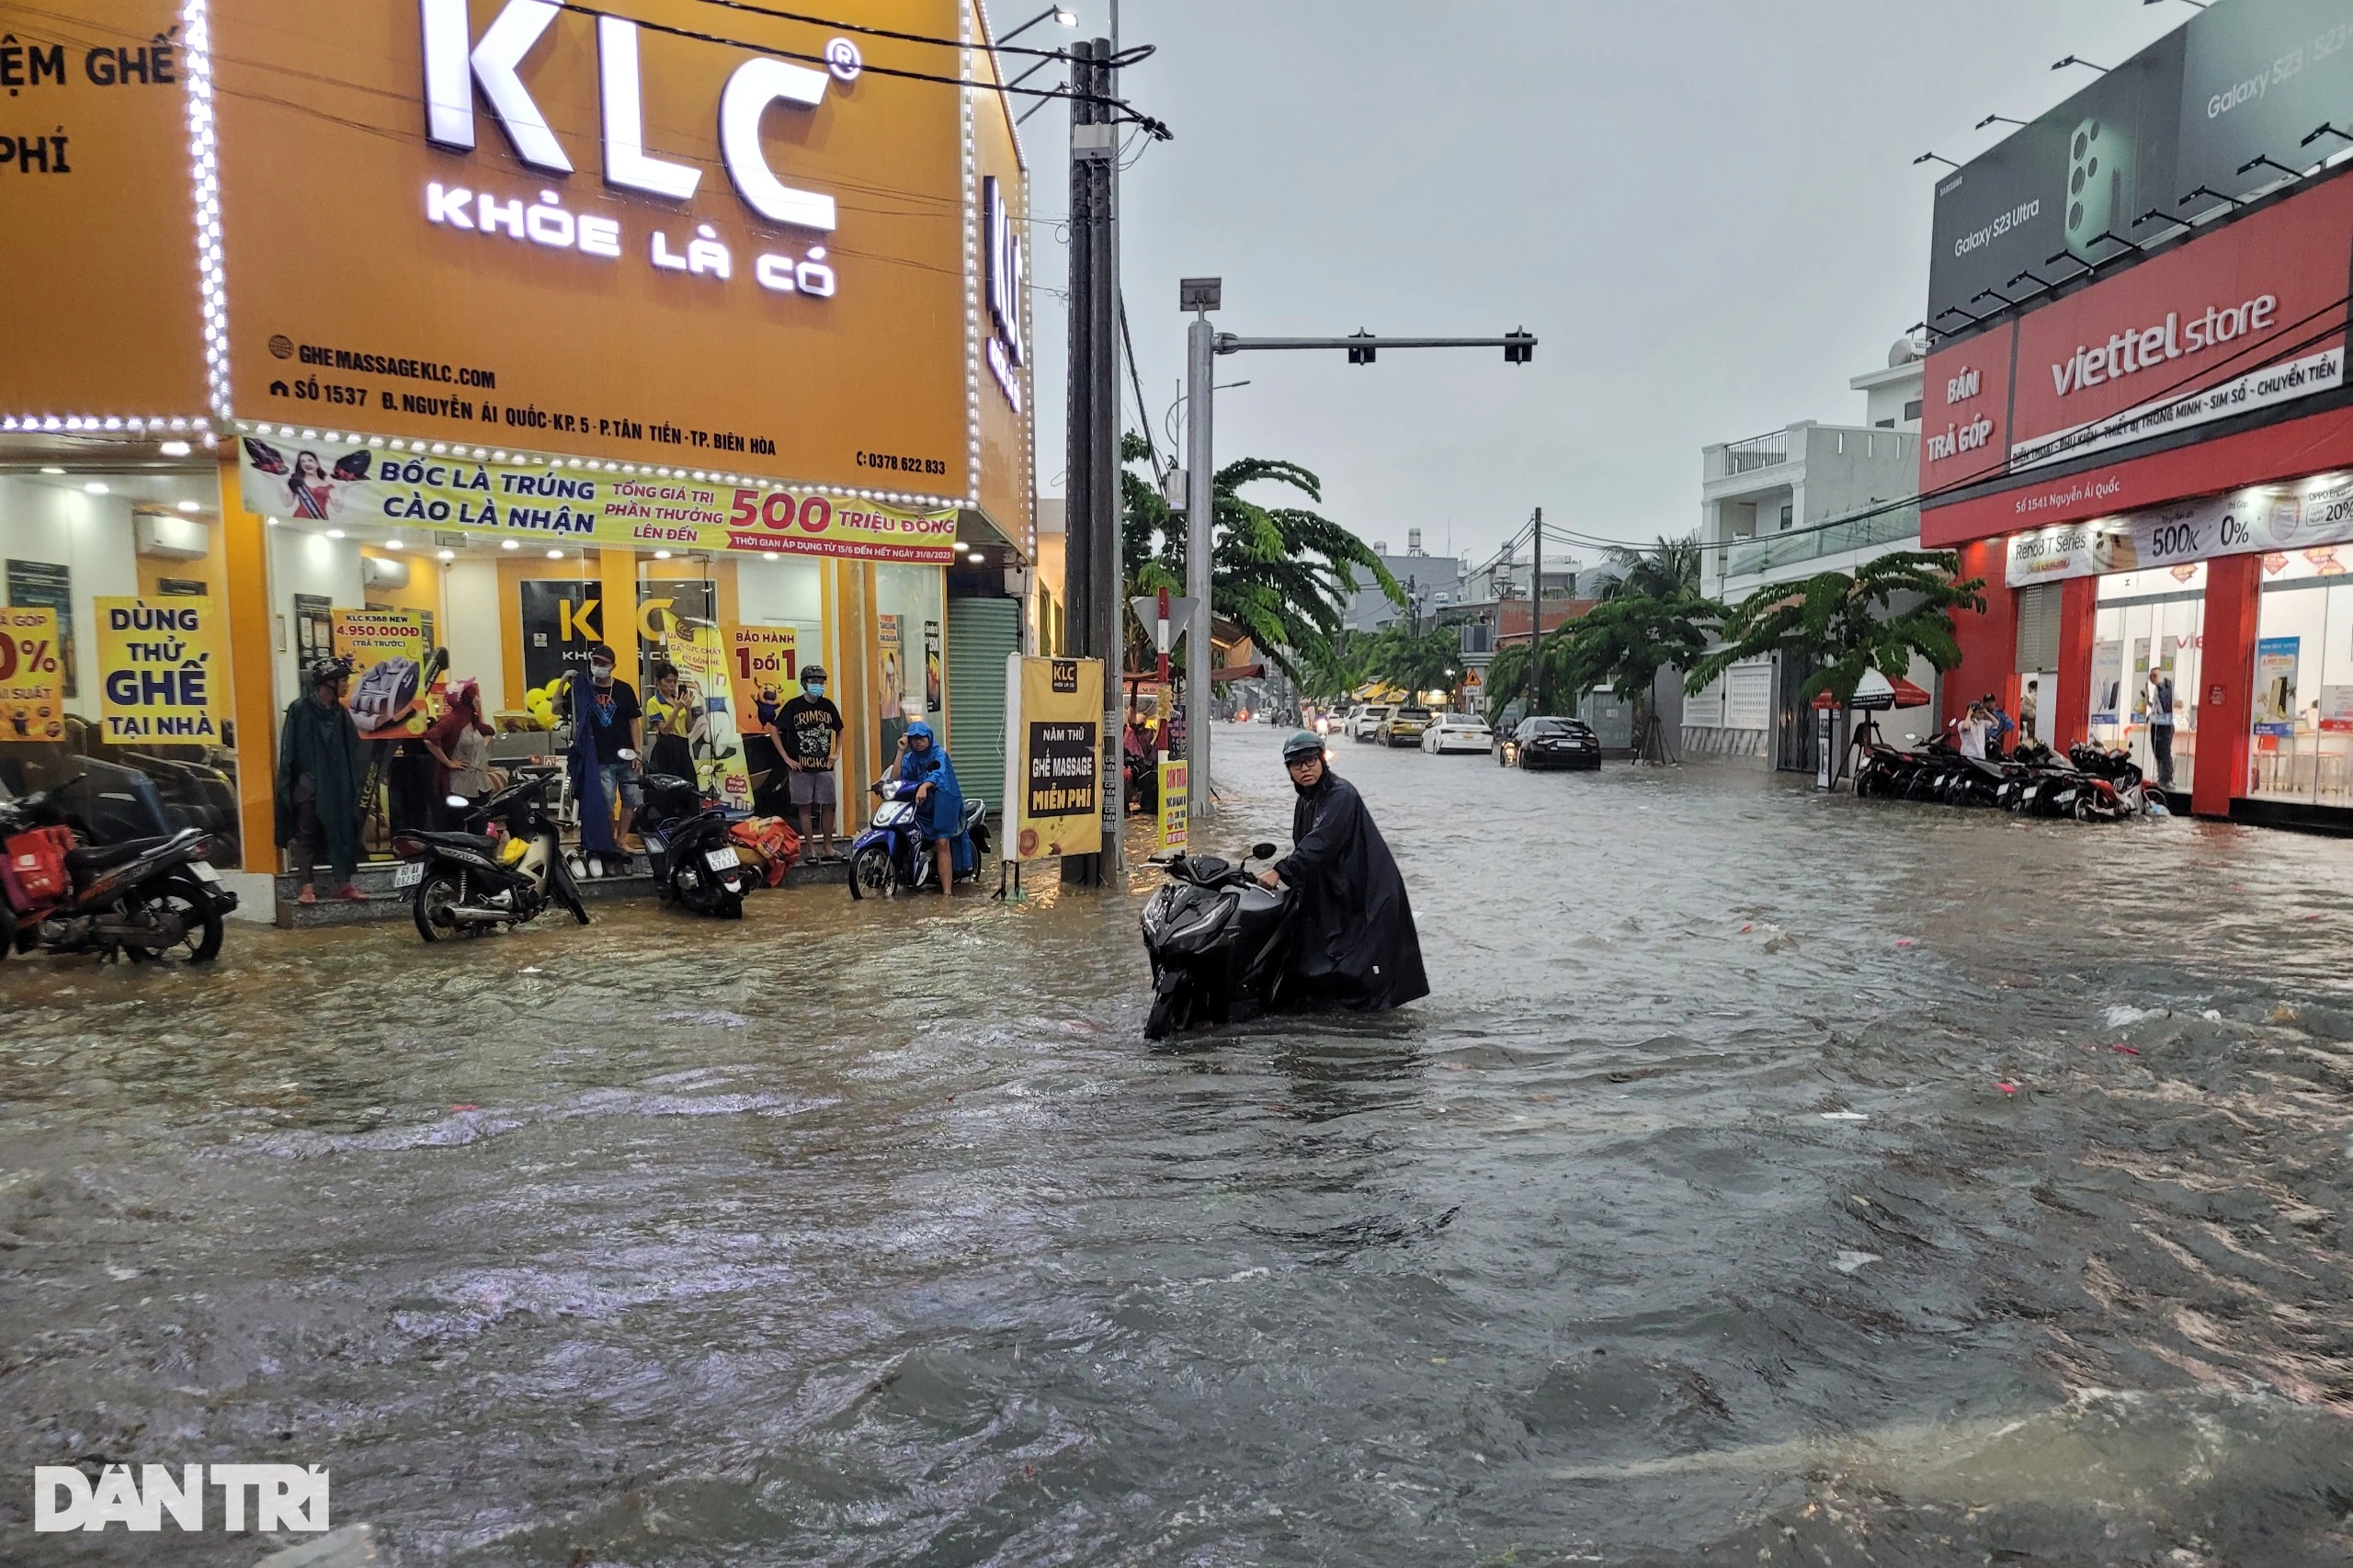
(661,555)
(188,505)
(335,533)
(555,555)
(508,544)
(768,555)
(976,555)
(95,487)
(449,555)
(49,469)
(961,545)
(175,448)
(391,544)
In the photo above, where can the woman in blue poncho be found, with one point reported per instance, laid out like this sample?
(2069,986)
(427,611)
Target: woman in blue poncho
(939,801)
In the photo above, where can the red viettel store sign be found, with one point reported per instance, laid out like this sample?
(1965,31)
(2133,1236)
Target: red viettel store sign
(2055,416)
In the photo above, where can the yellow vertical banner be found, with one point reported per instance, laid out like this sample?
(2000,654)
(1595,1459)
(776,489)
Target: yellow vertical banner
(1054,757)
(33,676)
(1175,805)
(387,651)
(163,669)
(701,664)
(763,662)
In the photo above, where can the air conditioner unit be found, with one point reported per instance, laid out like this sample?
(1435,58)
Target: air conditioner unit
(375,572)
(181,539)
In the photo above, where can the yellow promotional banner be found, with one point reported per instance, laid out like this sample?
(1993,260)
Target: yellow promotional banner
(1053,768)
(353,483)
(1175,805)
(763,661)
(387,651)
(720,764)
(163,669)
(33,676)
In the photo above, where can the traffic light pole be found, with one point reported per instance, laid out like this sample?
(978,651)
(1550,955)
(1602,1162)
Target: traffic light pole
(1203,345)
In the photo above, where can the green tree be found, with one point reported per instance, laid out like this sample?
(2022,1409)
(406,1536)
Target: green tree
(1283,574)
(1624,642)
(1414,663)
(1668,570)
(1506,680)
(1875,618)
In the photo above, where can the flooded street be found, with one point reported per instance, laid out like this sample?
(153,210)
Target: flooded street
(1769,1179)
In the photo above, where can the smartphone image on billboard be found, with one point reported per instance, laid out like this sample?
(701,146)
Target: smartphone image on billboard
(2099,184)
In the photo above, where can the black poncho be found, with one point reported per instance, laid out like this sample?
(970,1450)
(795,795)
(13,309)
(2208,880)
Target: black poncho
(1355,946)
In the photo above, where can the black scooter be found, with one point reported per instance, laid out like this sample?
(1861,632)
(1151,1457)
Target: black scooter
(1216,939)
(686,840)
(143,898)
(471,883)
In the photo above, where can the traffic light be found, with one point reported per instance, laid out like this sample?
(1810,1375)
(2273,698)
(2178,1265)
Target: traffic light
(1361,355)
(1519,347)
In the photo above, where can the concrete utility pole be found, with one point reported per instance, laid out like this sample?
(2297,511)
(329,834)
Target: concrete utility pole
(1202,295)
(1092,487)
(1536,625)
(1199,295)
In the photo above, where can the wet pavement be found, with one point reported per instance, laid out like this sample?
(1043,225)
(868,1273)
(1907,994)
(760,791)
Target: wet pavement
(1770,1179)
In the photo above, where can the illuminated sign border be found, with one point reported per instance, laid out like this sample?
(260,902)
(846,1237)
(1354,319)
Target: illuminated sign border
(212,282)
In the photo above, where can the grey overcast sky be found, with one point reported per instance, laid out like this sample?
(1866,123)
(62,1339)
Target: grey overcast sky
(1706,209)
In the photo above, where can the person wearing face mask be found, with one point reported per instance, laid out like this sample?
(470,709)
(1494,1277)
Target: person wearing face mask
(318,782)
(1355,943)
(612,711)
(808,732)
(922,762)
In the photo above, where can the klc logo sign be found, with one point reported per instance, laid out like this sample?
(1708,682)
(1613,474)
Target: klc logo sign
(456,63)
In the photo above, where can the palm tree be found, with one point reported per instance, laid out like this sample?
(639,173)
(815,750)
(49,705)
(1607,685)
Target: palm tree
(1875,618)
(1625,641)
(1414,663)
(1283,574)
(1668,570)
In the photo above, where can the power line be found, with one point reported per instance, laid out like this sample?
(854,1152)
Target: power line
(869,32)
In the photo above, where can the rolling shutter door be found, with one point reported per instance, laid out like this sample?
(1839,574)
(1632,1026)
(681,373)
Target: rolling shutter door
(981,633)
(2037,629)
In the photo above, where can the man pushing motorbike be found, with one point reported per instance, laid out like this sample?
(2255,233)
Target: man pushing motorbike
(1353,945)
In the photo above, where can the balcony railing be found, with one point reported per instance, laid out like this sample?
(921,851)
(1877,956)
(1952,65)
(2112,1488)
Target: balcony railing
(1829,539)
(1757,451)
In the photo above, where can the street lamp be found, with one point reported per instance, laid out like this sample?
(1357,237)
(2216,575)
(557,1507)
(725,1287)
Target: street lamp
(2004,118)
(2077,60)
(1940,157)
(1061,14)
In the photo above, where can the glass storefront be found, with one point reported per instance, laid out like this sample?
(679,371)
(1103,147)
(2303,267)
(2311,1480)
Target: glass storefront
(89,535)
(2148,621)
(2302,748)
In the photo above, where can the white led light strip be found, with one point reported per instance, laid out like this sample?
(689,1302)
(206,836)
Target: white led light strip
(204,162)
(972,270)
(83,424)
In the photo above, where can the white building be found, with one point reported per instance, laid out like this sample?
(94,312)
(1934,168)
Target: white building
(1783,506)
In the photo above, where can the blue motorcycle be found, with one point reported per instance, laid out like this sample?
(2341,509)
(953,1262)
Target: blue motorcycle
(894,853)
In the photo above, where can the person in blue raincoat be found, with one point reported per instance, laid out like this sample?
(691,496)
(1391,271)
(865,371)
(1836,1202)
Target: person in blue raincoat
(939,800)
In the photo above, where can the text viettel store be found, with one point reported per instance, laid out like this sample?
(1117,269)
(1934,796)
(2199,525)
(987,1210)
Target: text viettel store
(522,326)
(2149,460)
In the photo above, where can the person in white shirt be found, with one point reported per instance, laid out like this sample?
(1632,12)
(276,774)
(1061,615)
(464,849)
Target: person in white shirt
(1970,730)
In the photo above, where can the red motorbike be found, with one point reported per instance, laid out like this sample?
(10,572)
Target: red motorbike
(145,898)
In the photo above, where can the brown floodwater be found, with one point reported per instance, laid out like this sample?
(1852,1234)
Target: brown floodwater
(1769,1179)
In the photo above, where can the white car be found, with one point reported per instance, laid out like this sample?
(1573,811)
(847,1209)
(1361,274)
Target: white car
(1458,731)
(1367,718)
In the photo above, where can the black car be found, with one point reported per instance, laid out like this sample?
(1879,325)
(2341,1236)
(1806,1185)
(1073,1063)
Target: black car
(1556,743)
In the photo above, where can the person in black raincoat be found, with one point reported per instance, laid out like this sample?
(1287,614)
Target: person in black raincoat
(318,781)
(1354,943)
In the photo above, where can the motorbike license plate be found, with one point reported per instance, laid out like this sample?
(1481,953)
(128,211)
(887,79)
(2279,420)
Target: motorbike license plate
(723,859)
(409,875)
(203,873)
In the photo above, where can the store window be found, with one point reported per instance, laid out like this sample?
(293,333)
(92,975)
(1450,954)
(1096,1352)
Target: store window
(2301,747)
(117,542)
(2148,621)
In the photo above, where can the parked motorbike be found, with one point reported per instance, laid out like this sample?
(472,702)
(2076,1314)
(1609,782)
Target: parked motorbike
(506,869)
(686,839)
(2113,788)
(1215,934)
(150,897)
(894,853)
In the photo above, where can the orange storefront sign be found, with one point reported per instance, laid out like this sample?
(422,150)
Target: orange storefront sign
(97,262)
(660,232)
